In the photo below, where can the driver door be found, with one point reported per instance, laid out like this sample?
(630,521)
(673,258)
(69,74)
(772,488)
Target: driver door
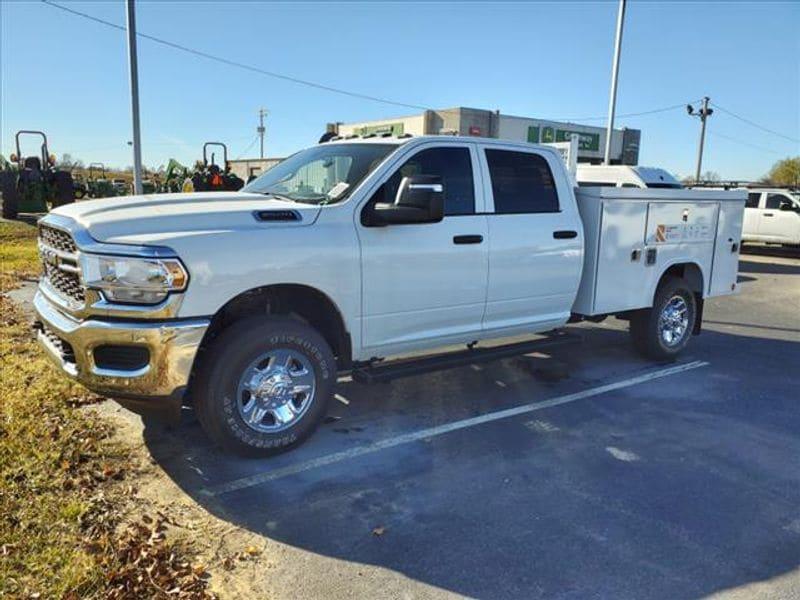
(779,224)
(425,284)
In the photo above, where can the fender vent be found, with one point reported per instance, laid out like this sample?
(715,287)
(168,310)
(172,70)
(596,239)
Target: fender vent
(277,215)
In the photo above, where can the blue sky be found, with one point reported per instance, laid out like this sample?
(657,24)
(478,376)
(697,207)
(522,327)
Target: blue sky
(68,76)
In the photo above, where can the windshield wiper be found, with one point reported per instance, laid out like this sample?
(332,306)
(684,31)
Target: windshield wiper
(278,196)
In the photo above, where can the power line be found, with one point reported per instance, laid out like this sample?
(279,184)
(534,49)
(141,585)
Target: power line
(756,125)
(743,143)
(636,114)
(246,150)
(234,63)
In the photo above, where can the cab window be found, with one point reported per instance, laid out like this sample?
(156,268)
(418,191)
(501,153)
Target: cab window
(752,200)
(774,201)
(453,165)
(521,182)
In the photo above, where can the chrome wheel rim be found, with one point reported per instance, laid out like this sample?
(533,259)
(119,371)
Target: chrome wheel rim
(276,390)
(673,321)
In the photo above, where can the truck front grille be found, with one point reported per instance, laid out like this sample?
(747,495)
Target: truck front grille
(60,264)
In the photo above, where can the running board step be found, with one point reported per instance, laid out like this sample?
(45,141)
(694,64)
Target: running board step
(379,373)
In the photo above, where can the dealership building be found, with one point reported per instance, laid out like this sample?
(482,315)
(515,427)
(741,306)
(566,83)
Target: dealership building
(493,124)
(247,168)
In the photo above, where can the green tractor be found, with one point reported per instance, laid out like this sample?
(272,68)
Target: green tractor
(97,184)
(174,177)
(208,177)
(79,188)
(35,185)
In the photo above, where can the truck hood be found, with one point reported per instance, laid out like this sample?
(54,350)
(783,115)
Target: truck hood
(159,217)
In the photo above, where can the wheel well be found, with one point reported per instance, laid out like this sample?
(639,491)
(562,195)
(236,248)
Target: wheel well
(693,276)
(690,272)
(301,302)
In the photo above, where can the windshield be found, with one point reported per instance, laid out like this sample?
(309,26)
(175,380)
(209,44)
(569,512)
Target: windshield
(322,174)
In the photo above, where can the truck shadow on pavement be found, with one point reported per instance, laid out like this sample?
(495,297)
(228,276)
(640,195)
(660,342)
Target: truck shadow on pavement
(677,488)
(747,266)
(771,250)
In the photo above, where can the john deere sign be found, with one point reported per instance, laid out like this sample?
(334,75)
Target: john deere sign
(387,128)
(548,135)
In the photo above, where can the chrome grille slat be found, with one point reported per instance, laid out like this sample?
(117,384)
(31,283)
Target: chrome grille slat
(57,239)
(60,269)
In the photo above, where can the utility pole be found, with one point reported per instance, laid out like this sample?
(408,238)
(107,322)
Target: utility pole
(703,114)
(260,129)
(612,101)
(134,74)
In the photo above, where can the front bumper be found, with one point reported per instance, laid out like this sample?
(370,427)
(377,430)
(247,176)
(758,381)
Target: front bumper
(171,345)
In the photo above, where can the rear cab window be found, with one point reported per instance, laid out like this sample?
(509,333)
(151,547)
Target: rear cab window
(522,182)
(752,200)
(596,184)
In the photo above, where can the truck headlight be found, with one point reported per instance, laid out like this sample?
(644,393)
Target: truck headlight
(133,280)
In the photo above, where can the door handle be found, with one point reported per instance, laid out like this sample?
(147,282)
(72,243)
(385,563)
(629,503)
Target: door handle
(768,214)
(566,234)
(467,239)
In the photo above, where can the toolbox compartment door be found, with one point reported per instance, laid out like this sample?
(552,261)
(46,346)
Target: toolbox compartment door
(725,268)
(620,272)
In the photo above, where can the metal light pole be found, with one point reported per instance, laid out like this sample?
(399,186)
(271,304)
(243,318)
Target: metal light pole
(134,74)
(261,129)
(612,101)
(703,113)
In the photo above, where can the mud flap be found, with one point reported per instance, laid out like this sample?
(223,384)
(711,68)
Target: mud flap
(698,321)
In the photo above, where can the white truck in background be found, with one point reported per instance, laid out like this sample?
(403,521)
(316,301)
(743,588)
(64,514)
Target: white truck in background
(772,215)
(248,304)
(627,176)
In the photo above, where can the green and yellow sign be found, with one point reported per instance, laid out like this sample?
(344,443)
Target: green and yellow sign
(586,141)
(548,135)
(386,128)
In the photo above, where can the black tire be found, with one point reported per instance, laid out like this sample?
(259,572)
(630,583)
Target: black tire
(9,197)
(645,327)
(216,385)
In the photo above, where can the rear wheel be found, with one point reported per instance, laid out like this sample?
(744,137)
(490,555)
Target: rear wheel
(663,331)
(264,385)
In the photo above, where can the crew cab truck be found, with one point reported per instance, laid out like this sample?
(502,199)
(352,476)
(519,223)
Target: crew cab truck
(251,303)
(772,215)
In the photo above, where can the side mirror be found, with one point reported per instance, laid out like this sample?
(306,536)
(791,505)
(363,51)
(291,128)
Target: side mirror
(419,199)
(786,205)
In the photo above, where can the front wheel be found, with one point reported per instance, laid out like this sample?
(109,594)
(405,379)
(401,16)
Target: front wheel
(663,331)
(264,385)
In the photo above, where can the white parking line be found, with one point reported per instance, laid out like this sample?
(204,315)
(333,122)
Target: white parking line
(315,463)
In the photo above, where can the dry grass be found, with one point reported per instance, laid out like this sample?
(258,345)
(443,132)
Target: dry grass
(19,258)
(66,481)
(52,459)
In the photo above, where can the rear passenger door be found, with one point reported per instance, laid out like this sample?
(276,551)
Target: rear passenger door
(535,240)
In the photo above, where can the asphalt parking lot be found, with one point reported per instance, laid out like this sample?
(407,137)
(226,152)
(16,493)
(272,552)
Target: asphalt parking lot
(607,476)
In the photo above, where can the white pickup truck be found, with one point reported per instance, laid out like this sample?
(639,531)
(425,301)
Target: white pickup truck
(772,215)
(249,304)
